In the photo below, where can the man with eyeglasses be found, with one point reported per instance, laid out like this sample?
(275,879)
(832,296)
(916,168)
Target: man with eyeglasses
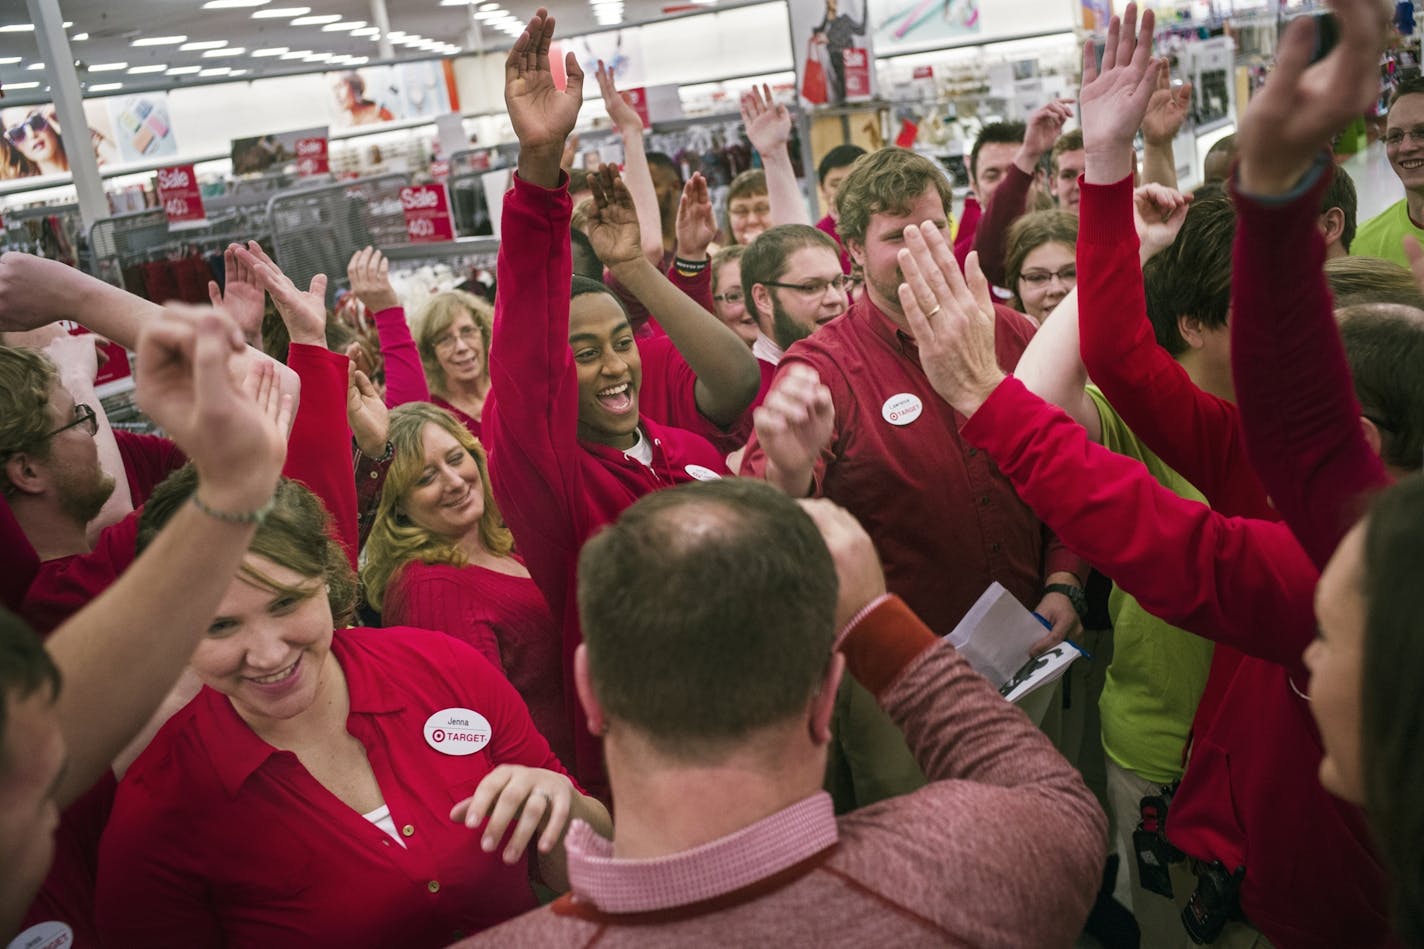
(1382,235)
(793,284)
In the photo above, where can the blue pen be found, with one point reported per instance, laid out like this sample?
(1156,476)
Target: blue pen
(1049,626)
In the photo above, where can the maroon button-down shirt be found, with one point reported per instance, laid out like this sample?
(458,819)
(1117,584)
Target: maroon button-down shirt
(945,520)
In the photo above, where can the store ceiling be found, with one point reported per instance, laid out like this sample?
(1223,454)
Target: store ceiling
(112,26)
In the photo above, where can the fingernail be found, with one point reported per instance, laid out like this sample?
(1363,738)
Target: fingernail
(487,845)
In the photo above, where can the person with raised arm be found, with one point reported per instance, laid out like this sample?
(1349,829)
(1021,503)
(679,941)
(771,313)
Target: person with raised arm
(66,713)
(768,126)
(568,448)
(717,714)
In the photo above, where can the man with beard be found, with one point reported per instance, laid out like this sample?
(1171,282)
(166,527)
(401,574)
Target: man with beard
(792,280)
(945,520)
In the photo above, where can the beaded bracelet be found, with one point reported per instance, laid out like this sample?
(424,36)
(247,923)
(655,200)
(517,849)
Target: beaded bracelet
(229,517)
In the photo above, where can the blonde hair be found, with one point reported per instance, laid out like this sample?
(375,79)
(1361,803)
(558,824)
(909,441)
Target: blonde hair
(435,317)
(395,541)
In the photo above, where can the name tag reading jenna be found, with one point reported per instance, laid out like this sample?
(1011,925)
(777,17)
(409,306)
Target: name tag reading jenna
(457,731)
(902,409)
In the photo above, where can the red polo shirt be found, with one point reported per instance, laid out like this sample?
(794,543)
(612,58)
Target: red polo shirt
(219,839)
(945,520)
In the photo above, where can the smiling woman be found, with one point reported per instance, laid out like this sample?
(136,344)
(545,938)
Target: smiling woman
(304,795)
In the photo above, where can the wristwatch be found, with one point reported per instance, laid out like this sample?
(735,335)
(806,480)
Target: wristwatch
(1075,595)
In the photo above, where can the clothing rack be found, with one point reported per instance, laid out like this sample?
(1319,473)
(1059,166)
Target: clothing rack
(419,269)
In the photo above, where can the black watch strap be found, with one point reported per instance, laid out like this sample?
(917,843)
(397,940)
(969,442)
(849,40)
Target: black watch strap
(1076,595)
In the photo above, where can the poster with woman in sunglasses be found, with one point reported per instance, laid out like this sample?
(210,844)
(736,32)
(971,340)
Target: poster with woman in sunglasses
(32,143)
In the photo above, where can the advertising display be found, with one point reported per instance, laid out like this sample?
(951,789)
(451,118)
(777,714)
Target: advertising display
(834,55)
(142,129)
(917,24)
(378,94)
(275,151)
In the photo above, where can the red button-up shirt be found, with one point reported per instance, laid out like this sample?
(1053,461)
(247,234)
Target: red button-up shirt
(219,839)
(945,520)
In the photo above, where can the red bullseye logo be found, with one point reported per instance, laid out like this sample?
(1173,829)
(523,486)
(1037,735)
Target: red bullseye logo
(437,735)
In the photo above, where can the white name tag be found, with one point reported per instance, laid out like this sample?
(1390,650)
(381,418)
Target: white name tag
(902,409)
(49,935)
(702,474)
(457,731)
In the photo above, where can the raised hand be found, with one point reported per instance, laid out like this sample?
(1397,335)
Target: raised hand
(696,224)
(952,319)
(613,222)
(858,570)
(794,424)
(241,297)
(538,798)
(366,413)
(768,123)
(542,114)
(1159,213)
(625,118)
(1042,130)
(369,275)
(1302,106)
(304,312)
(1166,110)
(1114,99)
(234,433)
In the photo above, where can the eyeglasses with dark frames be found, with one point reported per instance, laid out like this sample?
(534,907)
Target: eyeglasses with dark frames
(83,415)
(813,288)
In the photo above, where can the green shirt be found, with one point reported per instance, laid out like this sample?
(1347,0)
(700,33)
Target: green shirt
(1158,671)
(1381,235)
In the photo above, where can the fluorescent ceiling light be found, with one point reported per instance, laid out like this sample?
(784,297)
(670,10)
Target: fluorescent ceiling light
(275,13)
(271,51)
(104,87)
(79,37)
(17,28)
(35,66)
(68,24)
(216,71)
(22,85)
(358,60)
(108,67)
(9,60)
(397,34)
(491,15)
(318,58)
(238,72)
(160,40)
(203,44)
(184,70)
(297,54)
(317,20)
(367,31)
(229,51)
(234,4)
(140,70)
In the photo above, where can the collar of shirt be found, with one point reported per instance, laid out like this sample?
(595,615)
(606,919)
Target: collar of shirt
(714,869)
(237,751)
(882,326)
(765,349)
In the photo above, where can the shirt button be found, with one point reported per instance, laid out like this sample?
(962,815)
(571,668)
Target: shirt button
(984,500)
(407,831)
(433,886)
(375,475)
(994,548)
(973,452)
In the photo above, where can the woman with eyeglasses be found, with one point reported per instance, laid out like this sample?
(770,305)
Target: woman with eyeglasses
(727,300)
(33,136)
(1040,266)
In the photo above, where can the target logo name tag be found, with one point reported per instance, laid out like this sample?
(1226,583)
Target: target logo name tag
(457,731)
(902,409)
(702,474)
(50,935)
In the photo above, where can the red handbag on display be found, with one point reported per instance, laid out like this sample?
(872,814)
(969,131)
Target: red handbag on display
(813,81)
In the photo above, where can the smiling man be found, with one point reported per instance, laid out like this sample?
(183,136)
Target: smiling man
(1382,235)
(793,283)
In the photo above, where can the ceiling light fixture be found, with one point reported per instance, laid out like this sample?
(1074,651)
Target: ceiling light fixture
(35,66)
(234,4)
(316,20)
(203,44)
(343,26)
(104,87)
(271,51)
(160,40)
(367,31)
(297,54)
(140,70)
(216,71)
(277,13)
(17,28)
(228,51)
(9,60)
(12,86)
(184,70)
(108,67)
(79,37)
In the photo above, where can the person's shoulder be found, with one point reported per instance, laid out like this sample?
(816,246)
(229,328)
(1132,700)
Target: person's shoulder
(176,767)
(1392,220)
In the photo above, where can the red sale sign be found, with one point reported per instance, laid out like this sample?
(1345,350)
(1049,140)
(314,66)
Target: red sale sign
(312,157)
(924,72)
(427,213)
(857,73)
(638,99)
(180,196)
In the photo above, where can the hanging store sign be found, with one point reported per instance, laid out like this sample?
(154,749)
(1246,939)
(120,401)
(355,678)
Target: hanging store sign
(181,197)
(427,213)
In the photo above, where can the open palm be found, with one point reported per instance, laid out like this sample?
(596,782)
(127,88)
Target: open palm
(542,114)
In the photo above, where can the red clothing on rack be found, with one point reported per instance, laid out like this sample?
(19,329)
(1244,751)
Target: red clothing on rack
(553,489)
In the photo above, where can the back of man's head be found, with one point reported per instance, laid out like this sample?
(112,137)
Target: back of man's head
(1384,343)
(1341,194)
(1411,86)
(1216,166)
(886,182)
(586,262)
(766,258)
(26,380)
(995,133)
(1192,277)
(708,614)
(25,666)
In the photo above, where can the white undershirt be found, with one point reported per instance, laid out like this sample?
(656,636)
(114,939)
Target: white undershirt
(765,349)
(642,451)
(382,818)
